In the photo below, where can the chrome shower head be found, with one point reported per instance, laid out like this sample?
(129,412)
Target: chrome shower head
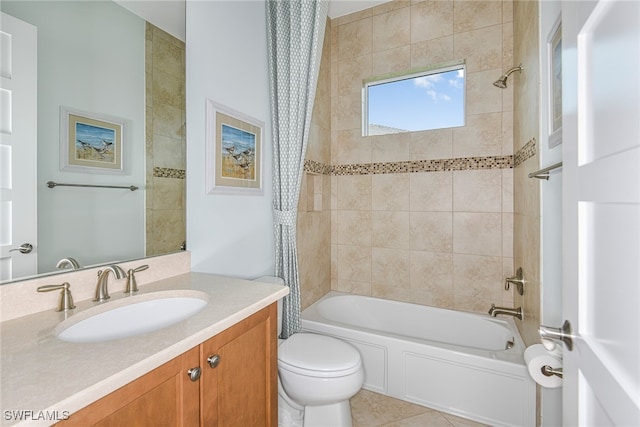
(502,81)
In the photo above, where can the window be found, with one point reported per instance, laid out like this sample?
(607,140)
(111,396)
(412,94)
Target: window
(420,100)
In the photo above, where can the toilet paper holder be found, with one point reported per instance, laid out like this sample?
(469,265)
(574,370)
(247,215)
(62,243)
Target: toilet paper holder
(561,334)
(548,371)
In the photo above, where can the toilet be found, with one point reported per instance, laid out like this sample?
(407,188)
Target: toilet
(317,375)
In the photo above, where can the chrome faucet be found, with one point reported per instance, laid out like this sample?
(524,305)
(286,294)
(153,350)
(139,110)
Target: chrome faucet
(102,291)
(68,262)
(515,312)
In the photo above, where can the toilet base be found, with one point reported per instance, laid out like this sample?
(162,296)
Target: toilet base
(291,414)
(335,415)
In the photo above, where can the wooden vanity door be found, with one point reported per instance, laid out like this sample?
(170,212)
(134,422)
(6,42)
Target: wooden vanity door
(163,397)
(242,389)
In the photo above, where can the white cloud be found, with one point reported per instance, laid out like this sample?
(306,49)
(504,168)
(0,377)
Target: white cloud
(456,83)
(427,81)
(435,96)
(430,83)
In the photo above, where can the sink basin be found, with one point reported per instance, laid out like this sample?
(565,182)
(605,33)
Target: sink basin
(131,316)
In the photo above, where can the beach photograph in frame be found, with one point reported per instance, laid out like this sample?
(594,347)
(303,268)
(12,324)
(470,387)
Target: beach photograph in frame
(90,142)
(233,151)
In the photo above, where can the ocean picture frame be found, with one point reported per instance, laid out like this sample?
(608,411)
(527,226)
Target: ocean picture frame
(90,142)
(234,152)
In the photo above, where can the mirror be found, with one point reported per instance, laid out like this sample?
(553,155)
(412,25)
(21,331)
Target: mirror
(100,59)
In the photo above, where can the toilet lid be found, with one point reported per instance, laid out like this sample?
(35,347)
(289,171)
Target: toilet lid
(318,355)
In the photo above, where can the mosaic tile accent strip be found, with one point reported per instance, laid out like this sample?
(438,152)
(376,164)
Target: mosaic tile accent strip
(526,152)
(316,167)
(169,173)
(438,165)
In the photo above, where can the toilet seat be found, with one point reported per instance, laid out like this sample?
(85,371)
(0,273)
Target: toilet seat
(318,355)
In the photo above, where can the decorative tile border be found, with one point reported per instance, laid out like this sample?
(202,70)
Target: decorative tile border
(168,173)
(526,152)
(317,167)
(438,165)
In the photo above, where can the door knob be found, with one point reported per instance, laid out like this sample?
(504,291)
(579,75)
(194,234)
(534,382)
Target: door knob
(24,248)
(559,334)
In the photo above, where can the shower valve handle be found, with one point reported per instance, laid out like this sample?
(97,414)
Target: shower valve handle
(517,280)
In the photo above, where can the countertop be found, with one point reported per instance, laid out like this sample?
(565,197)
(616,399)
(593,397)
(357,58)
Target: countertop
(43,376)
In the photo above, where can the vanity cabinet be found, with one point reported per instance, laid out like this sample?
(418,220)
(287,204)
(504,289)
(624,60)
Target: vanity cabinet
(237,385)
(162,397)
(239,374)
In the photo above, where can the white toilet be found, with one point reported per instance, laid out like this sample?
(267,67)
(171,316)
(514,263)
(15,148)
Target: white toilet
(317,375)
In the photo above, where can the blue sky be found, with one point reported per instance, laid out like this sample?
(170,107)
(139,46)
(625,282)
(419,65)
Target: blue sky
(429,102)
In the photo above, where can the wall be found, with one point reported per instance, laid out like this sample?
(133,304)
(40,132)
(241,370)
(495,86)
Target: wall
(526,144)
(526,229)
(226,53)
(107,77)
(551,217)
(165,142)
(314,207)
(425,217)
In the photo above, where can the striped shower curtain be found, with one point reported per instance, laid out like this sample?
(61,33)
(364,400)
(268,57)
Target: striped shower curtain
(295,33)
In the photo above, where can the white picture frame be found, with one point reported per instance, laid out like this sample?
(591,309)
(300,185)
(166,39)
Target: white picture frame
(234,152)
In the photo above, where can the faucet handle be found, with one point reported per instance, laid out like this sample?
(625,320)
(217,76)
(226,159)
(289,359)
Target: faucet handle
(517,280)
(132,285)
(66,300)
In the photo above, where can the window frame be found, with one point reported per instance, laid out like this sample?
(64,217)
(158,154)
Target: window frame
(412,74)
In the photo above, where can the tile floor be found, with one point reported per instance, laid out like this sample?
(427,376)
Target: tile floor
(370,409)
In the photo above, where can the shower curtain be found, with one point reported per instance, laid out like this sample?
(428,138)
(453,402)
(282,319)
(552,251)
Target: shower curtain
(295,33)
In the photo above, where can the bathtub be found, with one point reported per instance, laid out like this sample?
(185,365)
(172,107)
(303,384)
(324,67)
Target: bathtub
(465,364)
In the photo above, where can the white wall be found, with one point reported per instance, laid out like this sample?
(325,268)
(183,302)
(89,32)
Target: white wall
(226,56)
(551,224)
(90,58)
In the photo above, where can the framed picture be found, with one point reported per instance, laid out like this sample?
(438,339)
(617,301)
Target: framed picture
(91,143)
(554,52)
(234,154)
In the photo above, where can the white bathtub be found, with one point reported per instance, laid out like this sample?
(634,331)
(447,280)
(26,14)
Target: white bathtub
(447,360)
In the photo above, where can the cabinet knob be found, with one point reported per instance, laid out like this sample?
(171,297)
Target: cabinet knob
(194,373)
(214,360)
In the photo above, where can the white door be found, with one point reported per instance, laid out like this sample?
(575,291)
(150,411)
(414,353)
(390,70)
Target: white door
(601,193)
(18,124)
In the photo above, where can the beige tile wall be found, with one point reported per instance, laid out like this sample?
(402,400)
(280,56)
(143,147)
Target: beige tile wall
(527,190)
(165,141)
(436,238)
(314,208)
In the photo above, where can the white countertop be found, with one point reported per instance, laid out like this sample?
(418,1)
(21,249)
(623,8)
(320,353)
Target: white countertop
(42,374)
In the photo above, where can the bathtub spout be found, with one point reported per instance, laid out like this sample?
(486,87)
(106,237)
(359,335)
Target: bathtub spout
(515,312)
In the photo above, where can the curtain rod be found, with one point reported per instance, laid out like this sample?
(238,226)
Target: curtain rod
(52,184)
(544,173)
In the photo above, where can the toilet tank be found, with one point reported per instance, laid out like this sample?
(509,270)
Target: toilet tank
(274,281)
